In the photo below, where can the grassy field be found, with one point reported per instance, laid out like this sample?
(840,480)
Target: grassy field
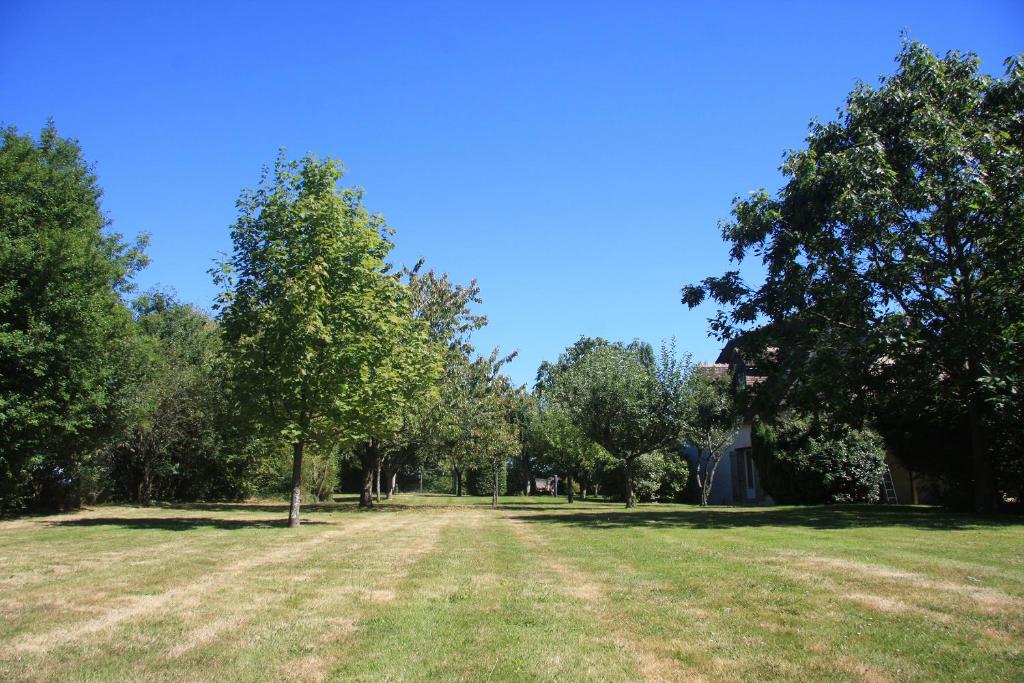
(448,589)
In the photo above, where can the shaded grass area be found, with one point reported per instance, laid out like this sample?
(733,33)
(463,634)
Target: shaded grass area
(444,588)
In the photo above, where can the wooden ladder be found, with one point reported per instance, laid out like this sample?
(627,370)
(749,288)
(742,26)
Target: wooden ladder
(888,488)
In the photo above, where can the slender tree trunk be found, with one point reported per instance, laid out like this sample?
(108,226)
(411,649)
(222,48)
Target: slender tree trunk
(630,499)
(494,489)
(458,481)
(711,480)
(421,479)
(392,485)
(293,508)
(147,485)
(568,488)
(704,481)
(377,469)
(985,497)
(524,461)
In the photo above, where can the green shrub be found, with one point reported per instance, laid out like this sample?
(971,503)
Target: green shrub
(804,461)
(661,476)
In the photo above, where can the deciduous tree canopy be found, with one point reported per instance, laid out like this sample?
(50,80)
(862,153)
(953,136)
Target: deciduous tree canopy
(63,327)
(893,253)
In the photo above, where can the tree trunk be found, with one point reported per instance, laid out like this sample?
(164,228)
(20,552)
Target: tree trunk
(985,497)
(630,499)
(494,490)
(366,494)
(377,469)
(703,482)
(457,473)
(392,485)
(568,488)
(368,459)
(293,508)
(421,479)
(525,471)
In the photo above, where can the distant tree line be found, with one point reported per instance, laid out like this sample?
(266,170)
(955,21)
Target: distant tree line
(891,318)
(321,355)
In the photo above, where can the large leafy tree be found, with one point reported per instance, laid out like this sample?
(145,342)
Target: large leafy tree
(309,309)
(64,329)
(894,258)
(472,418)
(444,320)
(626,398)
(401,368)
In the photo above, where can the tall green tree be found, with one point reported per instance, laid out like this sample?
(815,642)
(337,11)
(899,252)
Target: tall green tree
(472,419)
(402,369)
(495,430)
(893,252)
(64,329)
(444,310)
(307,305)
(626,398)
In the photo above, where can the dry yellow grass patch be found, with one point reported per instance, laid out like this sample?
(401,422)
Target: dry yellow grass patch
(141,606)
(894,606)
(902,585)
(402,549)
(862,671)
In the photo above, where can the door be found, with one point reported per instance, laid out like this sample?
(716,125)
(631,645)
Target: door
(747,481)
(751,483)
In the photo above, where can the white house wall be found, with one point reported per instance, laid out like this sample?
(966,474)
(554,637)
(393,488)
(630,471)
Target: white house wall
(721,488)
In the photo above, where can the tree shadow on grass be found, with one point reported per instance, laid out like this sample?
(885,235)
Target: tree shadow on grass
(282,508)
(816,517)
(178,523)
(596,507)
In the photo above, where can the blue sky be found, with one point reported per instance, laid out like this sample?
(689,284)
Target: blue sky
(574,157)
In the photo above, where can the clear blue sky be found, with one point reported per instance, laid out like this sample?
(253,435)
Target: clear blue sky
(574,157)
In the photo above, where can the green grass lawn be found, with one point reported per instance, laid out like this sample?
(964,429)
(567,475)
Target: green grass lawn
(435,587)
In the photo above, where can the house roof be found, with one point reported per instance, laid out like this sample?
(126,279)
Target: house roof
(717,370)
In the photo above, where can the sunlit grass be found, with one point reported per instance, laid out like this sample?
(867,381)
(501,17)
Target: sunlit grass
(444,588)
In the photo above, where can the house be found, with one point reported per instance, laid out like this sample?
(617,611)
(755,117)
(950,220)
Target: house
(545,485)
(736,480)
